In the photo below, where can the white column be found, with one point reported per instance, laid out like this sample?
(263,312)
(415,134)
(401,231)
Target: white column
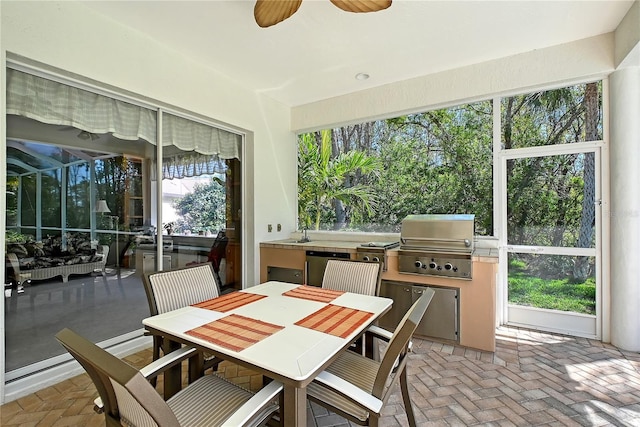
(625,208)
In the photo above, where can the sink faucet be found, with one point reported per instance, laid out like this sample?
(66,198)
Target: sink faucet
(305,239)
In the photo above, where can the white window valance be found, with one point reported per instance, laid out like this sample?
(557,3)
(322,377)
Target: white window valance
(188,135)
(188,165)
(58,104)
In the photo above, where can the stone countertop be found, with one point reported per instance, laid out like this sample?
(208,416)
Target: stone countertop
(480,254)
(314,245)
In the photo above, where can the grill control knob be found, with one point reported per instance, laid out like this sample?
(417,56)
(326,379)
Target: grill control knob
(432,265)
(448,266)
(365,258)
(376,259)
(418,264)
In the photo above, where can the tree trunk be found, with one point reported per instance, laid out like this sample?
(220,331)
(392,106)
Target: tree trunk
(587,221)
(341,215)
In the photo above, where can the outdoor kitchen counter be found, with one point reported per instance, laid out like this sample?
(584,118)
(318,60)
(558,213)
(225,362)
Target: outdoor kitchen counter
(314,245)
(489,255)
(477,296)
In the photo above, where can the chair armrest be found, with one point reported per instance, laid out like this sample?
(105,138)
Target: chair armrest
(385,335)
(153,369)
(350,391)
(252,406)
(378,332)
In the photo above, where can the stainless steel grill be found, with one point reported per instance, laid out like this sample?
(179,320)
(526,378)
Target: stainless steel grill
(437,245)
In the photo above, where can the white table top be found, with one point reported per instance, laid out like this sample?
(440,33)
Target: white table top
(295,352)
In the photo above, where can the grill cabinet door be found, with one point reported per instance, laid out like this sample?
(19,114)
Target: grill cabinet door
(401,294)
(441,318)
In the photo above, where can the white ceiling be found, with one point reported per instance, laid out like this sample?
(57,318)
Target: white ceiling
(317,52)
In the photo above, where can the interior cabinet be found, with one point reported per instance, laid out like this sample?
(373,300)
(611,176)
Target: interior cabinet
(183,258)
(133,196)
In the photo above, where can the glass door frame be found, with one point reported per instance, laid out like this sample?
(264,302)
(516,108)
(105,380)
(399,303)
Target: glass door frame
(588,326)
(60,367)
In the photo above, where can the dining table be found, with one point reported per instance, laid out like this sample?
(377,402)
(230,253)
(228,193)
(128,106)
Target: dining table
(284,331)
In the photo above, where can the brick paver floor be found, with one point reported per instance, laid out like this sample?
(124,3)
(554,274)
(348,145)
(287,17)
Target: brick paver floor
(533,378)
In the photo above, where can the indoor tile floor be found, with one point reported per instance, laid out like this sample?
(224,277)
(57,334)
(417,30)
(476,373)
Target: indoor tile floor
(533,378)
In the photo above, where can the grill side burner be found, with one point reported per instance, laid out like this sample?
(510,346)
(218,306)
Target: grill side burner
(375,251)
(437,245)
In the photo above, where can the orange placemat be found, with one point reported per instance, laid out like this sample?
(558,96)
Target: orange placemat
(335,320)
(235,332)
(313,293)
(229,301)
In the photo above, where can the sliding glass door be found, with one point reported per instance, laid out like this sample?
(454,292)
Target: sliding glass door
(90,193)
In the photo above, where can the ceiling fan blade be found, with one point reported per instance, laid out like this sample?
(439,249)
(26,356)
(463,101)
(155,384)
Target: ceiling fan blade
(360,6)
(270,12)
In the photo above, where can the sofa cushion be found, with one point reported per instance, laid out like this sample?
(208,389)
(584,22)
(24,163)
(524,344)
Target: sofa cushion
(50,253)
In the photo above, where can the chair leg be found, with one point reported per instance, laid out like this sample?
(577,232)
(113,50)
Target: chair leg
(196,368)
(408,408)
(172,376)
(156,355)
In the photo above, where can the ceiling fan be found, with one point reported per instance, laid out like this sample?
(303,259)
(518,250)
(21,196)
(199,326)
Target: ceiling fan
(270,12)
(83,133)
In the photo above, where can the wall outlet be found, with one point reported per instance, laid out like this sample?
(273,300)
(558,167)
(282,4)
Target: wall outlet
(269,228)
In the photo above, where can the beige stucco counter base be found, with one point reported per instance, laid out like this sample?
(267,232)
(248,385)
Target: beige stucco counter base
(477,299)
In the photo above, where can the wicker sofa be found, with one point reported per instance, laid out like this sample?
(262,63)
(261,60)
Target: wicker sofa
(45,260)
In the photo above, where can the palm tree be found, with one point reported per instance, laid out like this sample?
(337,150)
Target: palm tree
(322,178)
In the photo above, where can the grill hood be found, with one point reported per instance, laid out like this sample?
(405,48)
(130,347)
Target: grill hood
(438,232)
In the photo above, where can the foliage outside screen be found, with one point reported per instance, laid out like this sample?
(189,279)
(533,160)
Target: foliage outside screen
(370,176)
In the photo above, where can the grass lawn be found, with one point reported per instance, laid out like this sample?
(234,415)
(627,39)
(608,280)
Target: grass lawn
(556,294)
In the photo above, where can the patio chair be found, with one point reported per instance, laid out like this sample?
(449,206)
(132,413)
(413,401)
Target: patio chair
(173,289)
(357,388)
(360,277)
(129,399)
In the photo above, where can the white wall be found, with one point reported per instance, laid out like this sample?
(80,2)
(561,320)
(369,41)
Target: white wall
(627,38)
(74,38)
(584,60)
(625,208)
